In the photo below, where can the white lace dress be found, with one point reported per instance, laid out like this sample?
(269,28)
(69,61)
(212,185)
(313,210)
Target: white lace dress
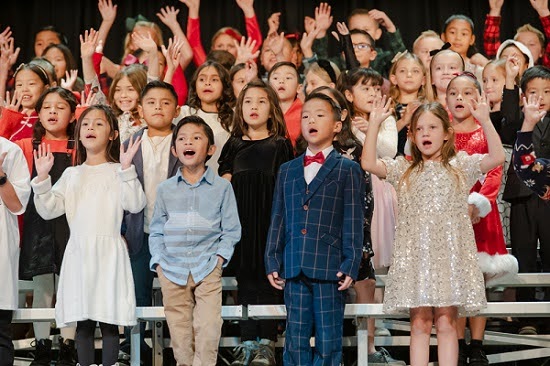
(435,257)
(96,279)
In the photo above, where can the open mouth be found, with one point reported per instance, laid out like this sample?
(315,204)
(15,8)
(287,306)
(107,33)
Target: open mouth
(52,120)
(459,107)
(312,130)
(426,143)
(254,115)
(281,88)
(188,153)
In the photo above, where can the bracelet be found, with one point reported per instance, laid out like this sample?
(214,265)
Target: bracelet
(3,180)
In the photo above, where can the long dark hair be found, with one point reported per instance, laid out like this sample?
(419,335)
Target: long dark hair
(276,120)
(112,152)
(39,131)
(223,104)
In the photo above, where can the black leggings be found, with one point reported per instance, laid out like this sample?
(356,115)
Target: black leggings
(85,342)
(6,345)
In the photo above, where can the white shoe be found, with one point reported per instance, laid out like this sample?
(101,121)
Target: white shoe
(381,332)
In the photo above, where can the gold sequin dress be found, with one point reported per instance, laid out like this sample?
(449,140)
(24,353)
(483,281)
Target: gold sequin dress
(434,260)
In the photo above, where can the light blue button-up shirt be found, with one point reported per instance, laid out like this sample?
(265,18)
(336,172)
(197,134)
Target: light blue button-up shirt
(192,224)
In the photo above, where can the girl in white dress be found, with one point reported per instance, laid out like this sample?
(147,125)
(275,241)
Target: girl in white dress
(434,275)
(95,283)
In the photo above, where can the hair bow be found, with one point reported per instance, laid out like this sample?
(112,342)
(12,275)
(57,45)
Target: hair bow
(325,65)
(398,55)
(131,22)
(447,45)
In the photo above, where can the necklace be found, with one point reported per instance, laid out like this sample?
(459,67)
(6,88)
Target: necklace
(154,145)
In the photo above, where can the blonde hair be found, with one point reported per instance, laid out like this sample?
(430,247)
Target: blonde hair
(395,93)
(322,73)
(447,149)
(431,93)
(426,34)
(530,28)
(156,34)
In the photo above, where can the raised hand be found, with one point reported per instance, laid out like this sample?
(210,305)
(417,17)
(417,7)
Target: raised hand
(360,123)
(309,24)
(172,54)
(383,19)
(323,19)
(193,6)
(87,99)
(342,29)
(5,35)
(70,79)
(8,55)
(306,43)
(88,42)
(275,42)
(144,42)
(532,112)
(512,67)
(495,6)
(541,6)
(169,16)
(245,50)
(251,71)
(107,10)
(43,161)
(247,6)
(273,23)
(126,155)
(12,101)
(480,109)
(381,110)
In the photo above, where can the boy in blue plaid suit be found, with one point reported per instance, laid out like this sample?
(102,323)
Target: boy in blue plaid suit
(315,238)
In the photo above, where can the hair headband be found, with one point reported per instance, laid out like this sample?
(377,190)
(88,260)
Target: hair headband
(325,65)
(131,22)
(446,46)
(231,33)
(46,78)
(398,55)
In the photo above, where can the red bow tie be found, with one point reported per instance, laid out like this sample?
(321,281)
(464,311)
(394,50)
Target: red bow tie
(317,158)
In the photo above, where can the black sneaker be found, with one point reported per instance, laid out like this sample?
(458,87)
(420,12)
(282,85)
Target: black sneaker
(43,354)
(67,353)
(478,357)
(462,356)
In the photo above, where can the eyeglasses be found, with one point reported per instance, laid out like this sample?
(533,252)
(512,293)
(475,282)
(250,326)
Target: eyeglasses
(361,46)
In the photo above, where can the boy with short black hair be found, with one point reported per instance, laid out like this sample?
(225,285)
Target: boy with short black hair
(193,233)
(528,212)
(158,106)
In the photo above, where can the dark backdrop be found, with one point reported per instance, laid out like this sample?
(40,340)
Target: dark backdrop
(410,16)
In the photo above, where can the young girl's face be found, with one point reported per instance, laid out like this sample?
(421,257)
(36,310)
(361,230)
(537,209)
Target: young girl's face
(256,107)
(57,58)
(408,76)
(55,115)
(314,81)
(44,39)
(424,46)
(429,136)
(514,51)
(226,43)
(209,85)
(459,94)
(95,132)
(443,69)
(238,82)
(285,82)
(459,34)
(126,97)
(531,41)
(362,96)
(28,86)
(494,78)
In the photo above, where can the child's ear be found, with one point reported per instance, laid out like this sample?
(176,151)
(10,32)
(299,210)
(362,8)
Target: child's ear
(373,54)
(338,127)
(348,95)
(115,136)
(300,86)
(393,79)
(473,41)
(178,109)
(173,151)
(211,150)
(343,115)
(443,37)
(140,110)
(377,34)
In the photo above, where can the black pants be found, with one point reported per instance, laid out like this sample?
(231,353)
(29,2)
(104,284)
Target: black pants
(529,224)
(258,292)
(6,344)
(85,342)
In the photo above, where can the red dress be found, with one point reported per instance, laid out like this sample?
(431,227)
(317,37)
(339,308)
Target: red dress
(494,260)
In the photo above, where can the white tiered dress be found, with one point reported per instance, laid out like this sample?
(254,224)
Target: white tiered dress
(96,280)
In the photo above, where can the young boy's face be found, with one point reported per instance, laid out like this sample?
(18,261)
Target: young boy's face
(191,146)
(367,23)
(539,88)
(318,124)
(531,41)
(285,82)
(363,49)
(158,108)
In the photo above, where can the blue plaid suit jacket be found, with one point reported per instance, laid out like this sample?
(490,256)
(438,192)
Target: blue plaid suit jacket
(317,229)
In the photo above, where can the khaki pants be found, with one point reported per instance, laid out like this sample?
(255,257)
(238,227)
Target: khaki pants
(193,314)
